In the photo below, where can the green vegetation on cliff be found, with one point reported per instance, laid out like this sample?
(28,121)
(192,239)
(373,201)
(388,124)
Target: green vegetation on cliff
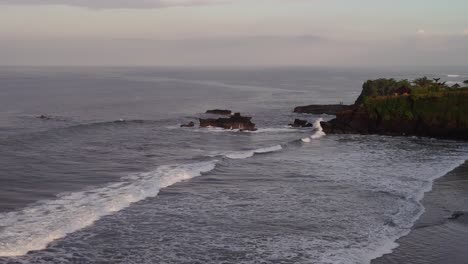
(422,100)
(381,87)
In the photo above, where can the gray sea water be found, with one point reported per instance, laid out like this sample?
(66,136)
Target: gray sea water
(112,178)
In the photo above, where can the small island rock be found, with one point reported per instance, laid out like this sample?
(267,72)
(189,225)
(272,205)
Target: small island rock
(191,124)
(236,121)
(301,123)
(44,117)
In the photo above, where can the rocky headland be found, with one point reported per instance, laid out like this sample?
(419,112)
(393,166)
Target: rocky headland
(322,109)
(422,107)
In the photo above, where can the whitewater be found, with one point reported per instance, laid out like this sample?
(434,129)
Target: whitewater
(112,178)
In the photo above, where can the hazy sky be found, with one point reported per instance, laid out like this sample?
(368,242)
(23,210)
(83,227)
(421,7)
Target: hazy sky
(233,32)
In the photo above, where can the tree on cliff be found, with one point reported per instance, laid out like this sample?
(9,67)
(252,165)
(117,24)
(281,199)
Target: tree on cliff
(382,87)
(423,82)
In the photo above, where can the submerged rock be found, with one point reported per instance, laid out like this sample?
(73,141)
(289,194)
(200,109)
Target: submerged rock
(322,109)
(236,121)
(301,123)
(219,112)
(191,124)
(456,215)
(44,117)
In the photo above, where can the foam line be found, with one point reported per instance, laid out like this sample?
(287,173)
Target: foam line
(36,226)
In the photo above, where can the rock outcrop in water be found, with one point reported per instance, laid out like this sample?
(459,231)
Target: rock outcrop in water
(465,82)
(456,215)
(420,108)
(219,112)
(190,124)
(301,123)
(45,117)
(321,109)
(236,121)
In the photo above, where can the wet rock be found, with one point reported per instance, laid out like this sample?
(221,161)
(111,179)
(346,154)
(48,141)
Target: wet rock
(456,215)
(301,123)
(191,124)
(322,109)
(361,121)
(236,121)
(44,117)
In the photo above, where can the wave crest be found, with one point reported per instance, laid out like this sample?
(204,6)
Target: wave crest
(247,153)
(35,227)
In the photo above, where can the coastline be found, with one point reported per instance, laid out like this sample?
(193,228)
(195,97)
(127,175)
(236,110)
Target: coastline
(436,239)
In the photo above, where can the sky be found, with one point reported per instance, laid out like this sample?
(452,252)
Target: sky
(234,32)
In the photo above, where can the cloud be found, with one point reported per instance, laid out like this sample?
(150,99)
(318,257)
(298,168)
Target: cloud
(114,3)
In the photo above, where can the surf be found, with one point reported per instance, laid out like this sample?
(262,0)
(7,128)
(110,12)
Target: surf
(246,153)
(318,131)
(34,227)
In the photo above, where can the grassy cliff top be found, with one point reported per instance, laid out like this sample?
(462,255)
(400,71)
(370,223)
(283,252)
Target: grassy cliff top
(422,99)
(419,87)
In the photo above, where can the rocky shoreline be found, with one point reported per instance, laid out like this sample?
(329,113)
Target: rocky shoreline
(322,109)
(399,108)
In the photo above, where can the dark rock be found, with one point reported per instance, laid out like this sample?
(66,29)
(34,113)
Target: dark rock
(322,109)
(456,85)
(191,124)
(359,121)
(44,117)
(219,112)
(456,215)
(234,122)
(301,123)
(388,107)
(465,82)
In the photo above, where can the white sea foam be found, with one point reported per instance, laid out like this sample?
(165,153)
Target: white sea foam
(36,226)
(318,131)
(274,130)
(388,245)
(258,131)
(247,153)
(453,75)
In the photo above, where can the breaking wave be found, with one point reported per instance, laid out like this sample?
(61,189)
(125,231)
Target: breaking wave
(318,131)
(247,153)
(36,226)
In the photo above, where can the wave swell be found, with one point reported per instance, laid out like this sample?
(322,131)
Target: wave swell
(35,227)
(247,153)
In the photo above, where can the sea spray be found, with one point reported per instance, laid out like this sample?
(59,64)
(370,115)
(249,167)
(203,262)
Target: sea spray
(318,131)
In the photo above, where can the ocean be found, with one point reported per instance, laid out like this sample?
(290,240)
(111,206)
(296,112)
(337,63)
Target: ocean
(112,178)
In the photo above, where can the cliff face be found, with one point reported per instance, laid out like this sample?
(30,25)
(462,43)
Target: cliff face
(433,111)
(321,109)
